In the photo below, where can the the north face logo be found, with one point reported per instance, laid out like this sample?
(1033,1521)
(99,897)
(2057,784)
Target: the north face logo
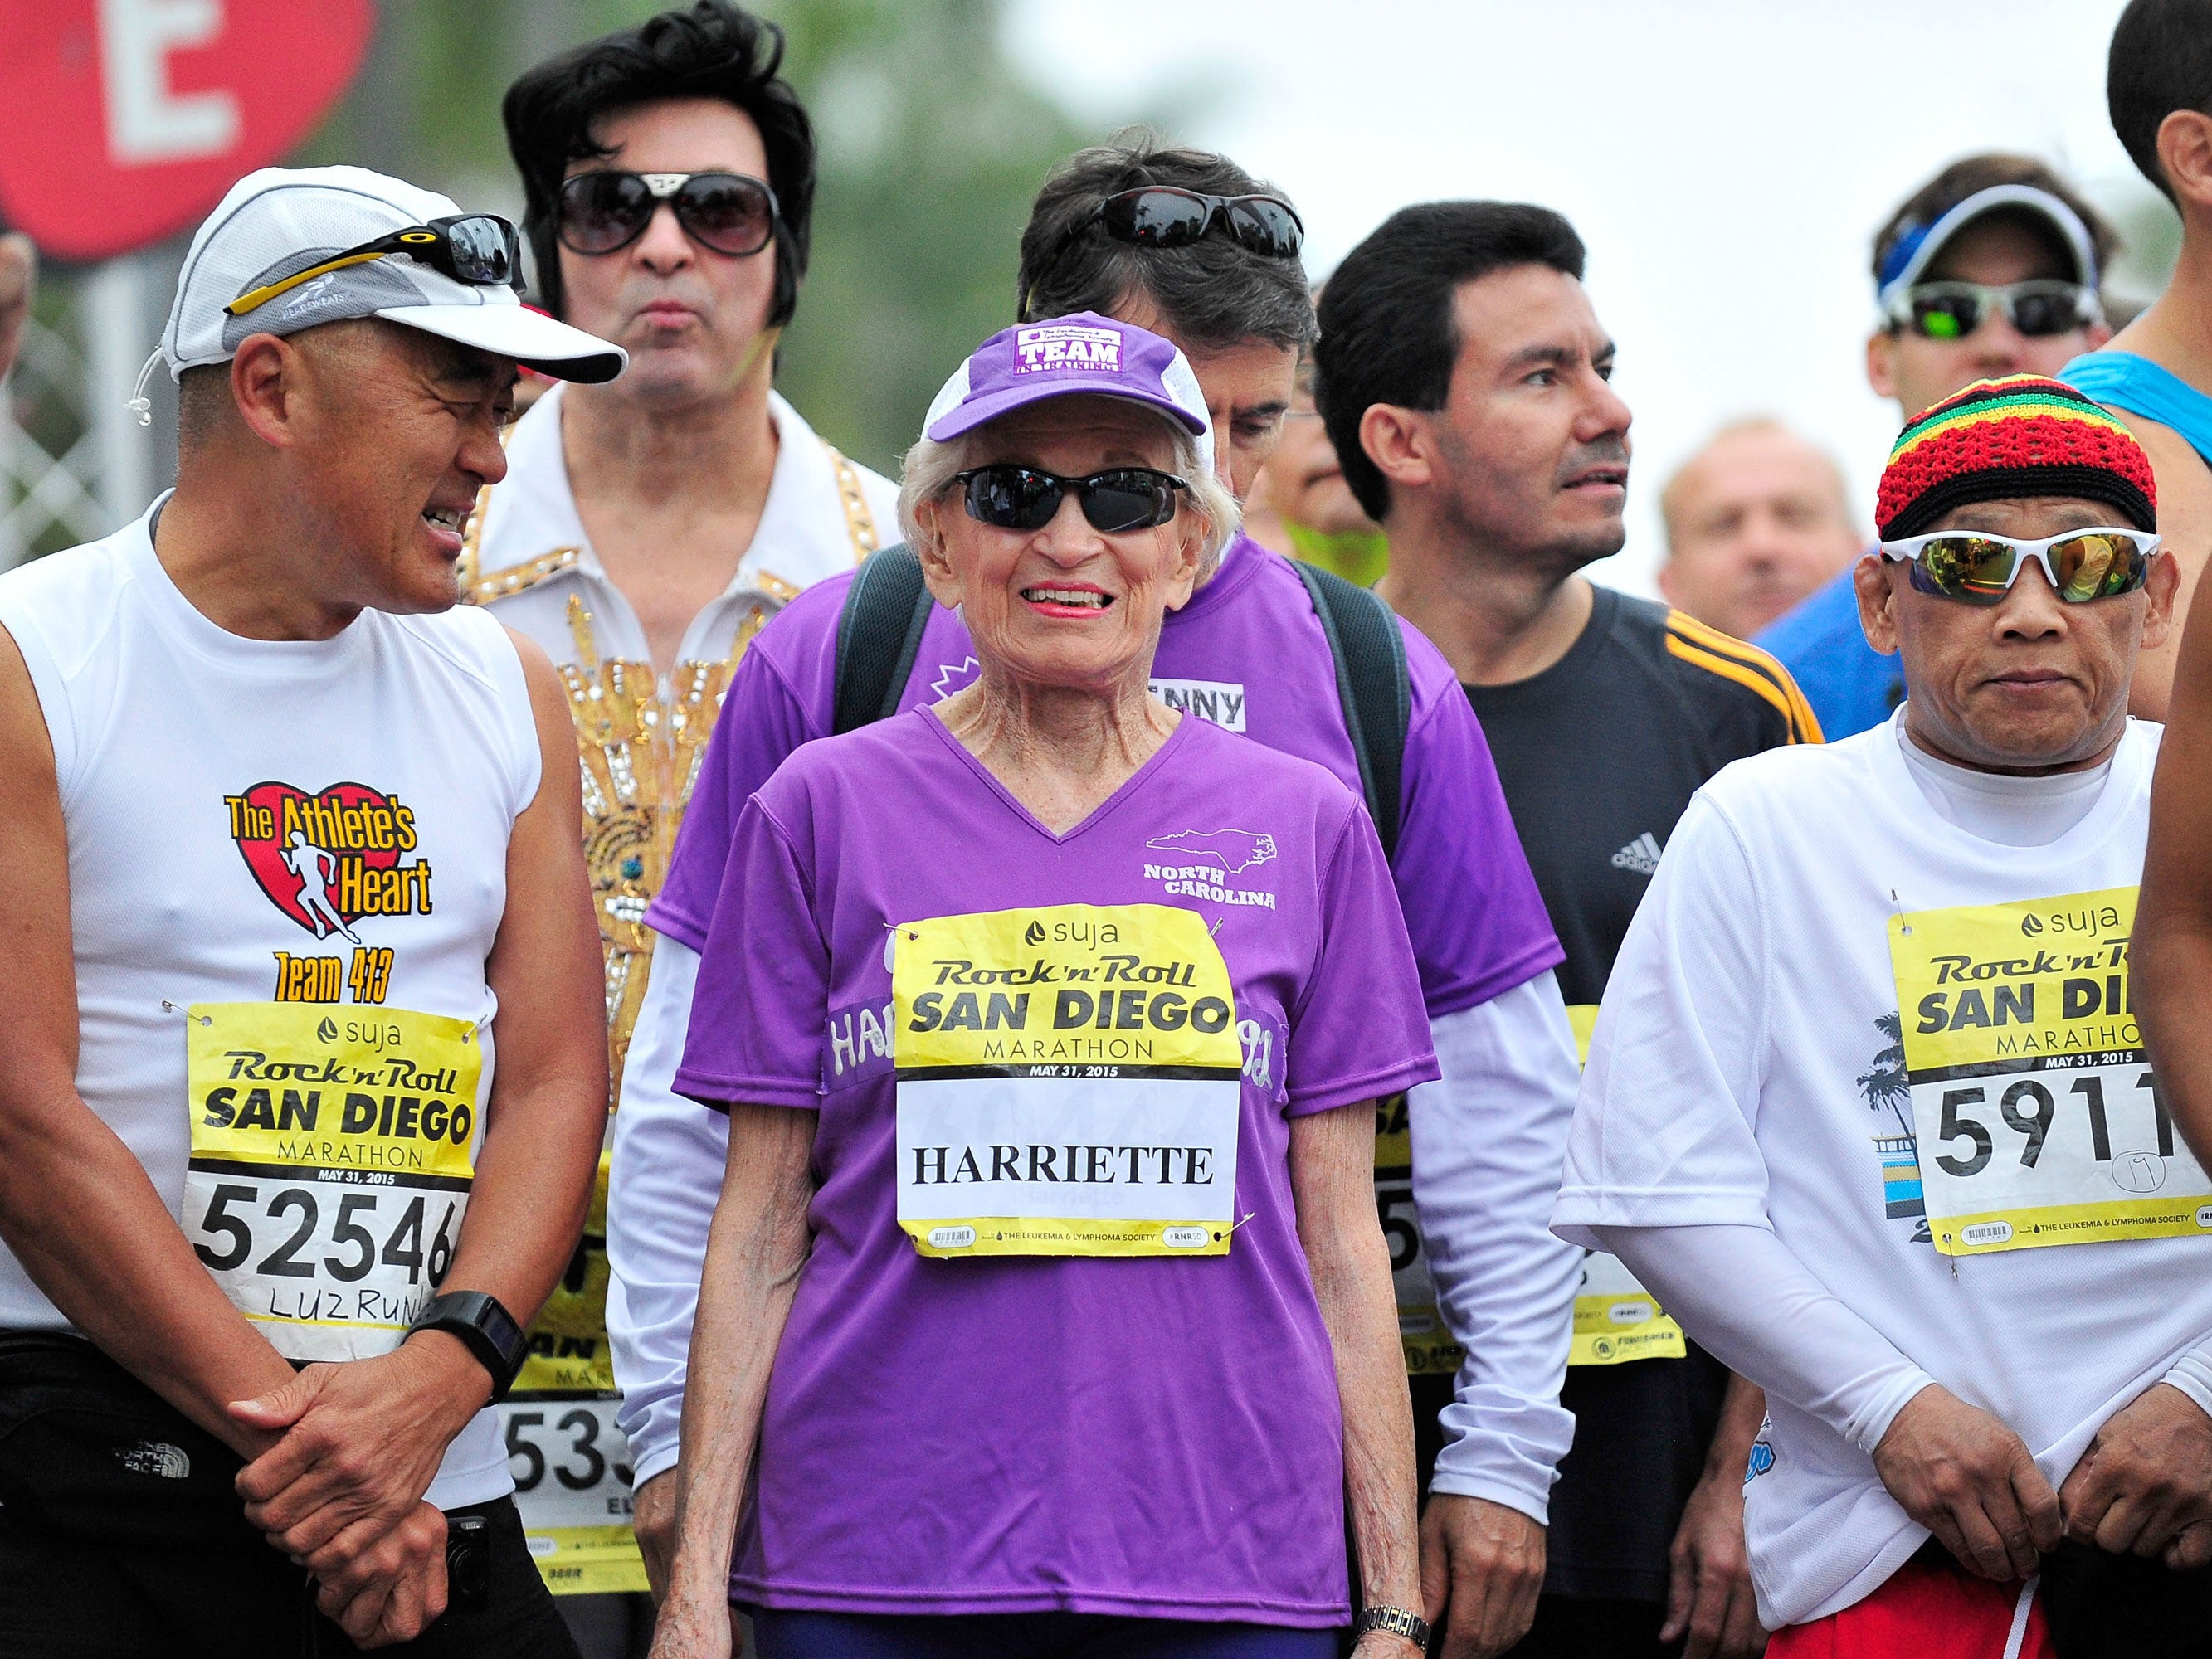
(328,860)
(1229,850)
(156,1457)
(1066,345)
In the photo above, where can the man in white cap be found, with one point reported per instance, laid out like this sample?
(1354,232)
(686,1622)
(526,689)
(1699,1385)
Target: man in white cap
(645,530)
(272,1221)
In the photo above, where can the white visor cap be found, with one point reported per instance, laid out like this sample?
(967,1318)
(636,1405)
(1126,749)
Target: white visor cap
(280,221)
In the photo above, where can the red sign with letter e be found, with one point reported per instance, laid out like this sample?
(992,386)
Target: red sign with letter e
(124,121)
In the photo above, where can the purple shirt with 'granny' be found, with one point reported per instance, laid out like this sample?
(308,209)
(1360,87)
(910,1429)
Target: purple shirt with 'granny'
(1155,1436)
(1247,653)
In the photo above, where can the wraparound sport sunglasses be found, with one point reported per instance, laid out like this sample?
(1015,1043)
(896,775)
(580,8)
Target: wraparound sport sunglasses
(480,249)
(605,211)
(1951,310)
(1122,498)
(1978,570)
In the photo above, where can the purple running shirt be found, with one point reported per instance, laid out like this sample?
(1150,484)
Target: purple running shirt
(1247,653)
(1155,1435)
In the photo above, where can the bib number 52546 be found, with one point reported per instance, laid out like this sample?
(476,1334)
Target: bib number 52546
(298,1232)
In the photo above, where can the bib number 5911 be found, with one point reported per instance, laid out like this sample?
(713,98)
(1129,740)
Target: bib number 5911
(2030,1109)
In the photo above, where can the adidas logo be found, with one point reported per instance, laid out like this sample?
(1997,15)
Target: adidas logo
(1641,855)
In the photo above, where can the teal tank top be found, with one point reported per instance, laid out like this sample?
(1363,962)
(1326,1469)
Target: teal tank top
(2121,379)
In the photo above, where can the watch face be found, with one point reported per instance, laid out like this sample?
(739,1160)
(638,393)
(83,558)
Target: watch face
(479,1318)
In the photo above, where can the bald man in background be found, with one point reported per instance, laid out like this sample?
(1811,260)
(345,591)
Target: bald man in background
(1755,520)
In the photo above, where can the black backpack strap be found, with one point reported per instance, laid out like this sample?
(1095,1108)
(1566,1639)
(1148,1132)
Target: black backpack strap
(1370,653)
(878,633)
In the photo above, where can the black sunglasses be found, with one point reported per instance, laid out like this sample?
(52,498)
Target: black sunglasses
(604,212)
(1163,217)
(1160,215)
(480,249)
(1013,497)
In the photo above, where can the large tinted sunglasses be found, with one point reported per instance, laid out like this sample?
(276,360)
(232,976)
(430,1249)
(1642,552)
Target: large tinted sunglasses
(1122,498)
(1978,570)
(1951,310)
(480,249)
(605,211)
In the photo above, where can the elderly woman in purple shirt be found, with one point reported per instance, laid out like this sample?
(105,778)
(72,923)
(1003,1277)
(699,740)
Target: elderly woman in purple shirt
(1046,1311)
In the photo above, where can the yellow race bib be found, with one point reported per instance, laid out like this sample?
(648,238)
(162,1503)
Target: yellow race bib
(2037,1120)
(571,1465)
(332,1151)
(1616,1319)
(1429,1346)
(1069,1081)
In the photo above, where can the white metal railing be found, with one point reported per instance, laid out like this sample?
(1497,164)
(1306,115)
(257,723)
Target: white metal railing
(88,465)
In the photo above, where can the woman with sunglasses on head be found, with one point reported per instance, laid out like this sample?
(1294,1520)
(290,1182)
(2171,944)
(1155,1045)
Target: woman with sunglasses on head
(1867,1106)
(1049,1022)
(1189,246)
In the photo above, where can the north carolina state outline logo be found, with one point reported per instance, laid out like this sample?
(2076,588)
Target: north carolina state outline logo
(328,859)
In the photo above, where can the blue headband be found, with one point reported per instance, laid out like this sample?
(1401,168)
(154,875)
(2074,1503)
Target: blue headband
(1917,245)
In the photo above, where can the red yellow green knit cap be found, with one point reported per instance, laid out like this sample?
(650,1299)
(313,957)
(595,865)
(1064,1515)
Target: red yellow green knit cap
(1999,440)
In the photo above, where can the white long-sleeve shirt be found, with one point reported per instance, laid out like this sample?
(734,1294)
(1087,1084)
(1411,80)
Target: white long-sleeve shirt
(1757,1140)
(1489,1138)
(669,1153)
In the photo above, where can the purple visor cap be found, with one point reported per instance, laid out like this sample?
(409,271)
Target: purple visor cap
(1080,355)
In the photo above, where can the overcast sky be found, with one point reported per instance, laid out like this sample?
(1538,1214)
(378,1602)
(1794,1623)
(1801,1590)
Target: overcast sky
(1726,160)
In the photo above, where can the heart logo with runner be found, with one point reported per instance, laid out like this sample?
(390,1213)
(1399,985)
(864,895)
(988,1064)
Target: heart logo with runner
(327,859)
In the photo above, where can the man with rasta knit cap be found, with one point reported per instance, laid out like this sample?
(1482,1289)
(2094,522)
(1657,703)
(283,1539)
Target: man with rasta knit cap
(1868,1107)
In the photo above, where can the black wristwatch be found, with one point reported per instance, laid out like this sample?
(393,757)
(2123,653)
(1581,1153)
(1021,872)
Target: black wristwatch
(1397,1621)
(485,1327)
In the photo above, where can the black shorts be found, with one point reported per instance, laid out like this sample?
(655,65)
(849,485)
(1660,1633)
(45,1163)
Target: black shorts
(120,1535)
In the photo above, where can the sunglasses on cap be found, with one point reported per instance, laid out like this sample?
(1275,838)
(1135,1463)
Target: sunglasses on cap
(480,249)
(1165,216)
(1976,569)
(1124,498)
(605,211)
(1951,310)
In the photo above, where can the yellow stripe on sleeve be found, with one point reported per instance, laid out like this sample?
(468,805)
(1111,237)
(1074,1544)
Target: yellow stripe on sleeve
(1747,666)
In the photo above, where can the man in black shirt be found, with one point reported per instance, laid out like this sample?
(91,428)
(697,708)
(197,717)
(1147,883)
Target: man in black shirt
(1465,382)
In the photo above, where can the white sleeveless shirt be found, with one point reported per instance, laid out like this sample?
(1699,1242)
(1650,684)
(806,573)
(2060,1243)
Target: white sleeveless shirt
(286,851)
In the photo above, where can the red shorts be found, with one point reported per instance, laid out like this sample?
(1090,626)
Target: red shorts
(1924,1612)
